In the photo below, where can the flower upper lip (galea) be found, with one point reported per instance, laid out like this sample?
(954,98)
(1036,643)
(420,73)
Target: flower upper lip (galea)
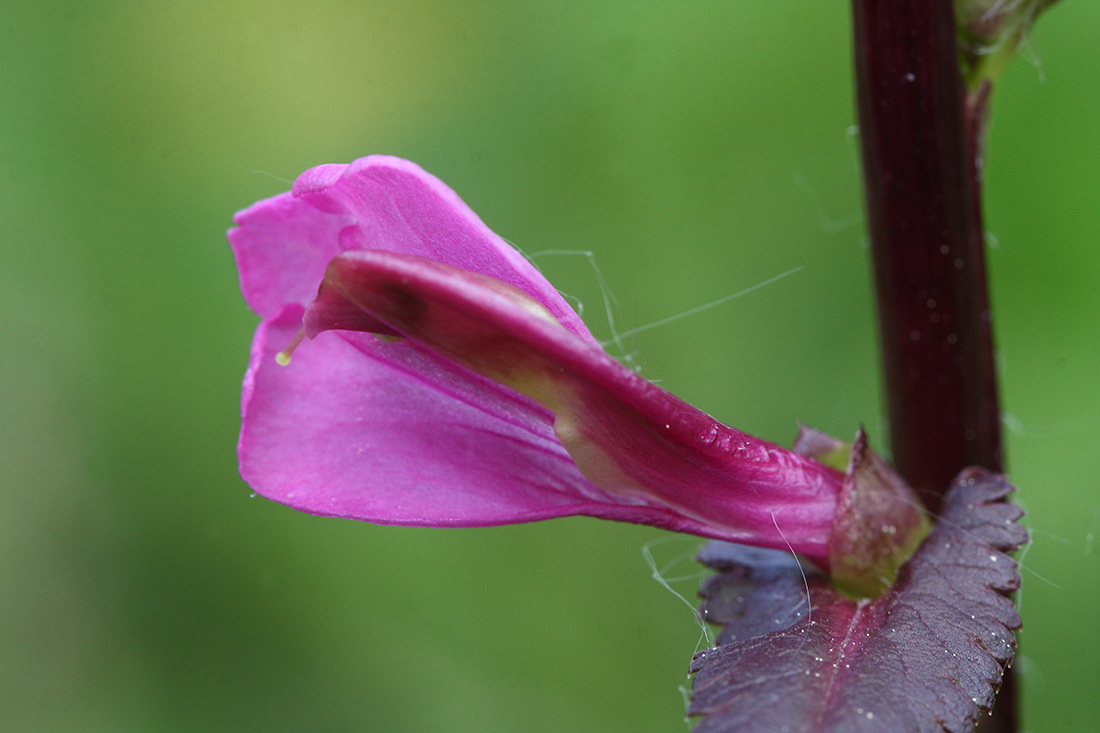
(495,406)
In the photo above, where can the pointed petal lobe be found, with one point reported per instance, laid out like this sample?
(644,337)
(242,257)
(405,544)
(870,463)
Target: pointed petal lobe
(283,244)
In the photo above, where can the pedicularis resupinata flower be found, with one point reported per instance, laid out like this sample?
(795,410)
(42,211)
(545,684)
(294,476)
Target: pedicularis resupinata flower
(447,383)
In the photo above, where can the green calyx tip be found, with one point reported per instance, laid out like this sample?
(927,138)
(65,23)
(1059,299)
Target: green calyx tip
(880,523)
(989,34)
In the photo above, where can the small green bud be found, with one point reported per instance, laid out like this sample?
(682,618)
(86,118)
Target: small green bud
(990,32)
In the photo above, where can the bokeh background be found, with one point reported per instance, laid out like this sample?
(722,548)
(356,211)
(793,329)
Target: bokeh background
(694,148)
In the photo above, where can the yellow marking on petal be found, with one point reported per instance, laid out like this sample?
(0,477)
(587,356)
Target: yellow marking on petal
(536,308)
(283,357)
(387,338)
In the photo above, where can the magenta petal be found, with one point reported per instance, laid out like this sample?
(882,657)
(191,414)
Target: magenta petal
(387,433)
(632,439)
(283,244)
(353,427)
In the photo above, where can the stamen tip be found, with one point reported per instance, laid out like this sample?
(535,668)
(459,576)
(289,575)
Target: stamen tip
(283,357)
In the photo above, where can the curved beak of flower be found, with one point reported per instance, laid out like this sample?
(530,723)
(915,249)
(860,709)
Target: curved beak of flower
(629,437)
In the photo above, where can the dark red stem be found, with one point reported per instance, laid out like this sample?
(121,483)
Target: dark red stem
(921,134)
(921,174)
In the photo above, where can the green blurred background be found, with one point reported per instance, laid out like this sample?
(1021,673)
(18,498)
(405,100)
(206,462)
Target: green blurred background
(695,148)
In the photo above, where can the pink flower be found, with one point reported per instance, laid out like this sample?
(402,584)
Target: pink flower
(446,383)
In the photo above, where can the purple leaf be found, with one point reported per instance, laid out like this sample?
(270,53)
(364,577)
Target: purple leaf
(927,655)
